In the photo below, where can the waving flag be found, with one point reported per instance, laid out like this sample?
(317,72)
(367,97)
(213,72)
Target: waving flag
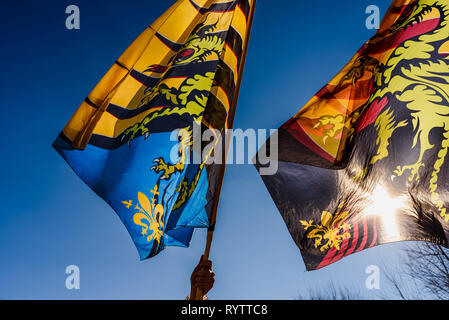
(365,161)
(131,138)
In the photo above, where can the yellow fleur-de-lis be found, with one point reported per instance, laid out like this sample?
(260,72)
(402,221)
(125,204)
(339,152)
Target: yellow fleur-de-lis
(149,216)
(332,229)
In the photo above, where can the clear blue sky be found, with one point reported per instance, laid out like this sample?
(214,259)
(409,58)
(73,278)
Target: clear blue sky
(50,219)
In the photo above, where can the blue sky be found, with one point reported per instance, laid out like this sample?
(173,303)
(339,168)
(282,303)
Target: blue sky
(50,219)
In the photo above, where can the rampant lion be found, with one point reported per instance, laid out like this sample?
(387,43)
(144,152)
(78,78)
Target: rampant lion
(192,95)
(417,76)
(189,100)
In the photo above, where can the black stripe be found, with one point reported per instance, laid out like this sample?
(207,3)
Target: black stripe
(215,113)
(171,44)
(147,81)
(65,138)
(353,241)
(225,79)
(156,248)
(162,124)
(361,235)
(121,65)
(123,113)
(292,150)
(182,70)
(104,142)
(245,6)
(370,238)
(89,102)
(235,42)
(216,7)
(350,243)
(372,223)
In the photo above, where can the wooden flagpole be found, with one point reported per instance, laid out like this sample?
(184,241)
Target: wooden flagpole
(210,233)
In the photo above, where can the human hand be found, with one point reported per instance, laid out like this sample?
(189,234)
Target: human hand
(202,278)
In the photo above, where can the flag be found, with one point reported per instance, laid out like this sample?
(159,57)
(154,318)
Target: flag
(131,140)
(365,162)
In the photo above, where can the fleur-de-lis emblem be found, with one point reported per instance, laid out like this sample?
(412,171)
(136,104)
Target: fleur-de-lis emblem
(333,229)
(149,215)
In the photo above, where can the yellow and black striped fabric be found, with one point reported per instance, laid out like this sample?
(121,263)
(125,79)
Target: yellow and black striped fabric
(183,72)
(183,67)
